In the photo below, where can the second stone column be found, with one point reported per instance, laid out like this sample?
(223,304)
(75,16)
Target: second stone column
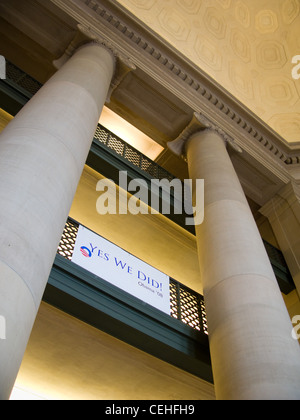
(252,350)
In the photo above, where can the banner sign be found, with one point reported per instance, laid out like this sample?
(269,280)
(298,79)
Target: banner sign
(118,267)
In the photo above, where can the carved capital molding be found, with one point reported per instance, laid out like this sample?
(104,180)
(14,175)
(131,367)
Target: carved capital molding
(199,123)
(210,125)
(123,66)
(84,36)
(81,38)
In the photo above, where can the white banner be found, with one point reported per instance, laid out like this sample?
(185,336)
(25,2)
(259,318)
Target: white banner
(122,269)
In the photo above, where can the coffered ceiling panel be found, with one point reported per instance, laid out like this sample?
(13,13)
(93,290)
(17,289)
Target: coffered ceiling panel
(246,46)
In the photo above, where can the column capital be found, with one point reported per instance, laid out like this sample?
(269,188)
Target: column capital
(85,36)
(198,124)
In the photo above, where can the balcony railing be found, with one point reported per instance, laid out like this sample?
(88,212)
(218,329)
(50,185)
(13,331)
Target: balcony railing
(186,305)
(18,77)
(131,155)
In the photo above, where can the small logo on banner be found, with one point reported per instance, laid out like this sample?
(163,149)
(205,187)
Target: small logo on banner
(86,252)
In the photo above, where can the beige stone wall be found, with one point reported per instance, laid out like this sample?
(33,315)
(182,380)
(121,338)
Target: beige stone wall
(70,360)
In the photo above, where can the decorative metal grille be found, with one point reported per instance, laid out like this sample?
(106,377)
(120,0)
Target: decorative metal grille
(116,145)
(101,135)
(22,79)
(133,156)
(130,154)
(68,239)
(186,305)
(175,308)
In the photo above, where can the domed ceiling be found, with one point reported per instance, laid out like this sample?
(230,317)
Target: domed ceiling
(246,46)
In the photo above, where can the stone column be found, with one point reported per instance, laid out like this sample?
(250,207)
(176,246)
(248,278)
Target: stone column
(42,155)
(252,350)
